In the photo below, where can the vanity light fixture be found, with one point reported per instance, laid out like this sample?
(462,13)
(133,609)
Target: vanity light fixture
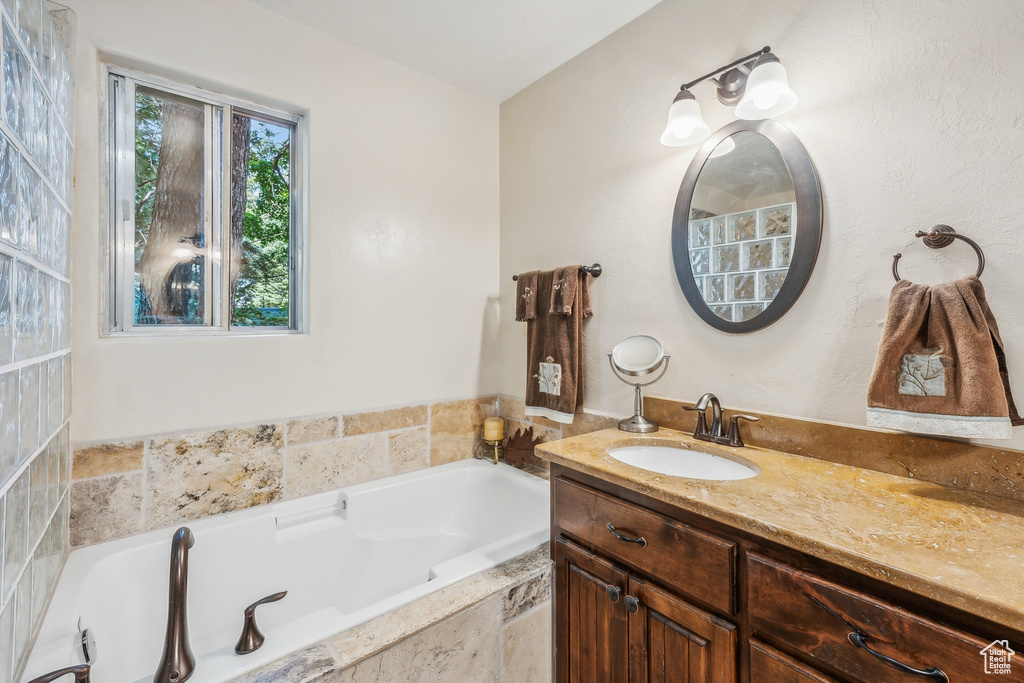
(756,85)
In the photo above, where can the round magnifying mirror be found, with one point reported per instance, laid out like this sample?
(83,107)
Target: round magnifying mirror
(638,355)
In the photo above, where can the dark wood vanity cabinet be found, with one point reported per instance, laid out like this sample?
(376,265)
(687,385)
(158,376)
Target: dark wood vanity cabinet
(647,592)
(613,627)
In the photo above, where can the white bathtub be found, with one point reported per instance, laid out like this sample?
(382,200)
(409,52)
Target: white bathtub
(344,557)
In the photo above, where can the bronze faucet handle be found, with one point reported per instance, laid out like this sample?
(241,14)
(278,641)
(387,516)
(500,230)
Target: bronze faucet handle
(81,673)
(702,423)
(251,638)
(734,429)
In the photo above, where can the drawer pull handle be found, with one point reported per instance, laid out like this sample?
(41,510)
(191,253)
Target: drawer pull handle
(632,604)
(860,640)
(641,541)
(613,593)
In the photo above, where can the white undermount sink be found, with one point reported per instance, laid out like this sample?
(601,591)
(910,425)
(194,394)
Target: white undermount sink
(682,462)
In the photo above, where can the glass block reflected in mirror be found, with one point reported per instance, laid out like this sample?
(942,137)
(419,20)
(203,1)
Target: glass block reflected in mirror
(718,230)
(757,255)
(727,258)
(742,227)
(700,234)
(741,287)
(747,218)
(748,311)
(782,252)
(771,282)
(776,221)
(723,311)
(714,290)
(699,261)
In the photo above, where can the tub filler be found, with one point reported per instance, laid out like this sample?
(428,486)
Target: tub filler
(345,556)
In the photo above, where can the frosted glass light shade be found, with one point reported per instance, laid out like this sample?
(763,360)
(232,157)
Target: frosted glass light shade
(767,94)
(685,124)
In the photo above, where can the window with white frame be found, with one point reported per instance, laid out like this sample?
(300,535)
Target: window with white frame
(204,210)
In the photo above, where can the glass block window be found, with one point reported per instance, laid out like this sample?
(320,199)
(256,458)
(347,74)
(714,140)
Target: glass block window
(749,259)
(36,165)
(204,208)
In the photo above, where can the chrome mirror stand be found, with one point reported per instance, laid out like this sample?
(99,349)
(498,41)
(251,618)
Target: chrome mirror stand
(637,423)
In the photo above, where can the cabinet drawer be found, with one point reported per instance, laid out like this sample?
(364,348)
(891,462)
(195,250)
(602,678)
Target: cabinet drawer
(768,664)
(687,560)
(817,617)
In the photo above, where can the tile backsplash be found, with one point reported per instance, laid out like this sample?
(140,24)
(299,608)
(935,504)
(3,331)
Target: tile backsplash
(36,116)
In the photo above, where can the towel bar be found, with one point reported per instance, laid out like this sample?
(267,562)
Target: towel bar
(937,237)
(593,271)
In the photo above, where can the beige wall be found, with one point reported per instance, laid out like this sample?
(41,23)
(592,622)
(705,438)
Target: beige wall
(403,231)
(910,110)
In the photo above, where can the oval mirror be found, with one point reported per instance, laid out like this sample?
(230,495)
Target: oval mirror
(638,355)
(747,226)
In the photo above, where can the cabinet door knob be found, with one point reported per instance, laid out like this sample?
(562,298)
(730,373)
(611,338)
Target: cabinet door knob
(613,593)
(632,604)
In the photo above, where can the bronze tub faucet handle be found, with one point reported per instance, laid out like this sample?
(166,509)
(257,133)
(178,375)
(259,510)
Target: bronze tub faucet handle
(251,638)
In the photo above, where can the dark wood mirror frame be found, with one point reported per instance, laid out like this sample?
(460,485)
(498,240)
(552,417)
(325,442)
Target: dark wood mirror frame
(808,230)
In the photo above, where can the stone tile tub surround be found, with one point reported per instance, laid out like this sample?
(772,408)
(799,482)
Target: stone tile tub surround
(493,627)
(959,464)
(36,163)
(124,488)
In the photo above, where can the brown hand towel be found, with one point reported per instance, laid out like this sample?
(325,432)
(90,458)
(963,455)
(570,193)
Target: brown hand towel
(940,367)
(526,296)
(563,289)
(554,354)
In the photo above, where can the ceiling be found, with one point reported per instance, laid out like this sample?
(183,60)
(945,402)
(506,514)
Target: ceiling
(492,48)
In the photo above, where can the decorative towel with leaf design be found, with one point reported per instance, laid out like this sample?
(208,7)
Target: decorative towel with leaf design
(553,304)
(940,367)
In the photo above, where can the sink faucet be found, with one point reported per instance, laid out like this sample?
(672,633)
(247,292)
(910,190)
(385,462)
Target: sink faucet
(177,663)
(717,432)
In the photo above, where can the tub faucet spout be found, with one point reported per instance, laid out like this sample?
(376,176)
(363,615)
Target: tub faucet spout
(178,662)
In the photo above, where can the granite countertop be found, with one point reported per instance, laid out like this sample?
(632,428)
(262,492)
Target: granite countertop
(960,548)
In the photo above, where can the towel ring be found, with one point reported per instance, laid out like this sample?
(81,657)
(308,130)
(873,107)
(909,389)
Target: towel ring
(937,237)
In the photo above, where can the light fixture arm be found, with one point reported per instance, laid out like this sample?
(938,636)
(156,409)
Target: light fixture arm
(731,65)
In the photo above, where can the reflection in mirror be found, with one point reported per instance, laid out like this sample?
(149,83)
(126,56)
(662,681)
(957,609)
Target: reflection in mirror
(742,225)
(739,255)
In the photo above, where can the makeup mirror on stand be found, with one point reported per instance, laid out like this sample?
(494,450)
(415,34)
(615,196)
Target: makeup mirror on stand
(632,358)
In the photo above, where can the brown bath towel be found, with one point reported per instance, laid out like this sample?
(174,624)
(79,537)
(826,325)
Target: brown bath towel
(554,352)
(940,367)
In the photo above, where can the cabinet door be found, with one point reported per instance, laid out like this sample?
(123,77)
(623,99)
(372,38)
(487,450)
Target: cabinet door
(590,620)
(674,642)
